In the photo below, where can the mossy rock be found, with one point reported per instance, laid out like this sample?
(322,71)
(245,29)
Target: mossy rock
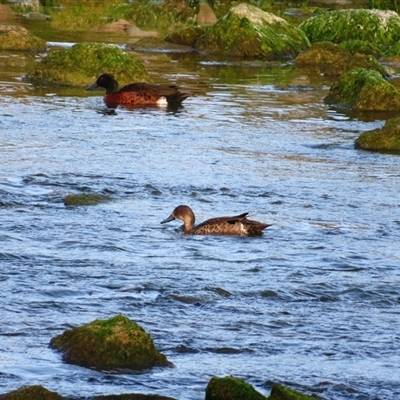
(85,199)
(158,46)
(18,38)
(247,31)
(114,344)
(379,27)
(280,392)
(363,90)
(362,47)
(231,388)
(81,64)
(331,59)
(186,37)
(36,392)
(384,5)
(385,139)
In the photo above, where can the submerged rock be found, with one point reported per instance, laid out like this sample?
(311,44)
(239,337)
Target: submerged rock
(280,392)
(36,392)
(385,139)
(81,64)
(114,344)
(331,59)
(247,31)
(363,90)
(379,27)
(14,37)
(231,388)
(85,199)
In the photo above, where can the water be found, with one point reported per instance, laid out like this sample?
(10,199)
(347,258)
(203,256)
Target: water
(313,304)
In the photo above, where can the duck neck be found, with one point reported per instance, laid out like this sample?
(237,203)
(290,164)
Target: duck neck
(188,225)
(112,87)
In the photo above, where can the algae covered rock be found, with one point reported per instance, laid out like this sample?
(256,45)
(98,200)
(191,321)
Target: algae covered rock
(231,388)
(81,64)
(362,47)
(363,90)
(385,139)
(247,31)
(18,38)
(379,27)
(85,199)
(187,36)
(280,392)
(114,344)
(36,392)
(330,59)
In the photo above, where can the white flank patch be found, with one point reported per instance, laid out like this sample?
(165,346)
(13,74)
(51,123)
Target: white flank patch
(162,101)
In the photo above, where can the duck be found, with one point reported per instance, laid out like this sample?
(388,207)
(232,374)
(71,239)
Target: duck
(135,94)
(237,225)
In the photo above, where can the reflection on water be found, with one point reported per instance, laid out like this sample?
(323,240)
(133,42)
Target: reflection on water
(313,303)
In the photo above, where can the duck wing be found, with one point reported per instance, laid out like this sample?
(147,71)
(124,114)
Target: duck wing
(162,90)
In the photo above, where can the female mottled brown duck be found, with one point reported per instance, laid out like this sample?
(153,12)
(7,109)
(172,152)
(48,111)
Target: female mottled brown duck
(138,94)
(237,225)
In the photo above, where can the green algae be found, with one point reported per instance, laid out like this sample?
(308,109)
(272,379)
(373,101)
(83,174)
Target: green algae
(331,59)
(363,90)
(18,38)
(85,199)
(280,392)
(35,392)
(247,31)
(381,28)
(231,388)
(114,344)
(385,139)
(81,64)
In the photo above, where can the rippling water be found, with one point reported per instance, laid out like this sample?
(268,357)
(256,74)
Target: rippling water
(314,303)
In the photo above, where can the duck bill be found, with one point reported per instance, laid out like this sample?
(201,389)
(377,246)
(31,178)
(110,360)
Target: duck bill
(93,87)
(170,218)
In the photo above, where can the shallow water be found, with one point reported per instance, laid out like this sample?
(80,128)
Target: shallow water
(314,303)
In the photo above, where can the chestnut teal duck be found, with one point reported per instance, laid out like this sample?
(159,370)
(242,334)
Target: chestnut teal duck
(237,225)
(138,94)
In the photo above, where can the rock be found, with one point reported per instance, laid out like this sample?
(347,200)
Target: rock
(155,45)
(385,139)
(362,47)
(231,388)
(363,90)
(36,392)
(85,199)
(331,59)
(36,16)
(14,37)
(81,65)
(186,37)
(379,27)
(114,344)
(280,392)
(124,26)
(247,31)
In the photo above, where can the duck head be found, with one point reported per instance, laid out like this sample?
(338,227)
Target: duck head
(185,214)
(106,81)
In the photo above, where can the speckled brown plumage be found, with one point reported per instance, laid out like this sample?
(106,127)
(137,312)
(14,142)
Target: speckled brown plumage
(137,93)
(237,225)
